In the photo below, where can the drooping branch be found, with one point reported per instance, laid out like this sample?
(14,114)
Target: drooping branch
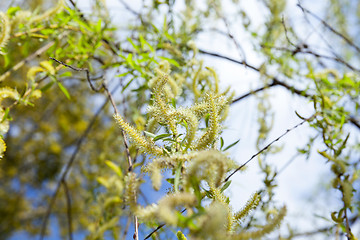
(69,164)
(328,26)
(276,82)
(267,146)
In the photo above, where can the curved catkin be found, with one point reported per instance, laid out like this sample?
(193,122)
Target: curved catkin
(2,147)
(167,212)
(145,144)
(266,229)
(251,204)
(208,165)
(5,31)
(208,138)
(7,92)
(48,13)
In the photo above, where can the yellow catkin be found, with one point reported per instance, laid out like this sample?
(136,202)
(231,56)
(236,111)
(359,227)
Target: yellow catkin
(2,148)
(271,226)
(7,92)
(145,145)
(5,31)
(251,204)
(48,13)
(167,212)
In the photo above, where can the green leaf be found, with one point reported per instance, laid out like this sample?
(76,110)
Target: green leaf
(6,114)
(225,186)
(64,90)
(46,87)
(161,136)
(221,143)
(127,85)
(66,74)
(149,134)
(231,145)
(136,47)
(114,167)
(172,61)
(123,74)
(177,177)
(171,180)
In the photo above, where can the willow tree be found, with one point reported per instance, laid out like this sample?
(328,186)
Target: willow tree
(98,117)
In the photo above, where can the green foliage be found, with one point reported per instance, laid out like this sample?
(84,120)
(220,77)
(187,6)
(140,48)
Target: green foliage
(173,108)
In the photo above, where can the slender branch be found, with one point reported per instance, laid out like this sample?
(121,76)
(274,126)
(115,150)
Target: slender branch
(253,92)
(158,228)
(336,32)
(276,82)
(79,69)
(130,162)
(302,50)
(69,164)
(68,205)
(154,231)
(112,47)
(267,146)
(27,59)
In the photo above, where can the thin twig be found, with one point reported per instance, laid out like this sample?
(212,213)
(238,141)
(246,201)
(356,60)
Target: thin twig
(336,32)
(154,231)
(68,205)
(276,82)
(130,162)
(27,59)
(69,164)
(267,146)
(112,47)
(79,69)
(158,228)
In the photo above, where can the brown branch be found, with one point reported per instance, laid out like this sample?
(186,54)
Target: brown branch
(79,69)
(68,205)
(336,32)
(267,146)
(136,234)
(302,50)
(69,164)
(112,47)
(276,82)
(26,60)
(154,231)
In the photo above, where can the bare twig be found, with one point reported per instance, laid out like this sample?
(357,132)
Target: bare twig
(154,231)
(276,82)
(351,43)
(158,228)
(267,146)
(79,69)
(68,205)
(286,32)
(112,47)
(26,60)
(69,164)
(303,50)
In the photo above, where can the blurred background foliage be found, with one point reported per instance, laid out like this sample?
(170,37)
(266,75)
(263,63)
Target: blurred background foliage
(70,120)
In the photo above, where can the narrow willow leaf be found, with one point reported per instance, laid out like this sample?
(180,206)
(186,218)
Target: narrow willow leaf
(64,90)
(46,87)
(114,167)
(221,143)
(161,136)
(149,134)
(177,177)
(127,85)
(225,186)
(231,145)
(172,61)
